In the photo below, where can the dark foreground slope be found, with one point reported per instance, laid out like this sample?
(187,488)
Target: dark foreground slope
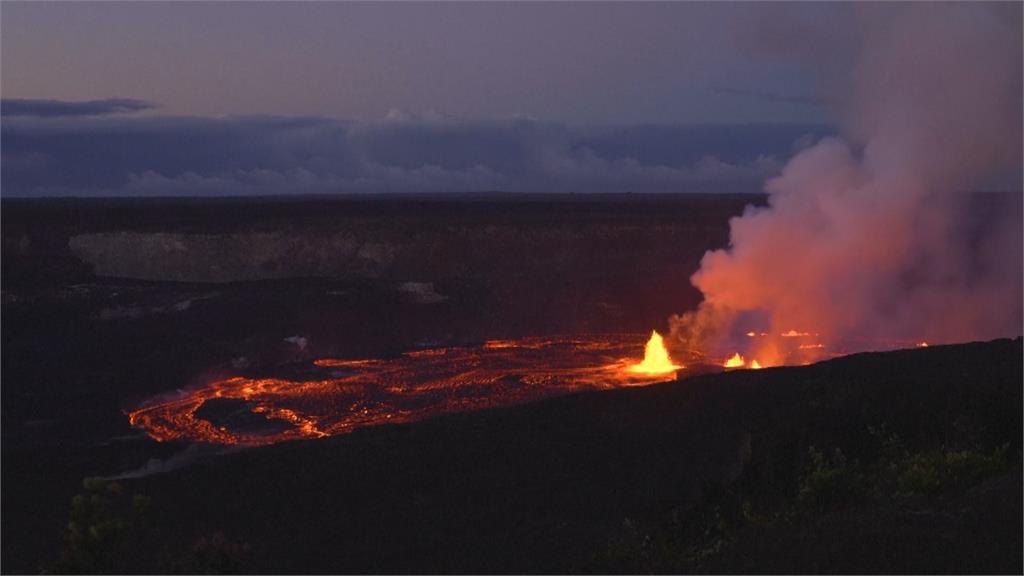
(883,462)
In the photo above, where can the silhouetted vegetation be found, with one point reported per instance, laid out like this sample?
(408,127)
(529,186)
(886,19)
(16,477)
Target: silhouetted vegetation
(108,533)
(213,554)
(687,540)
(934,472)
(103,525)
(830,482)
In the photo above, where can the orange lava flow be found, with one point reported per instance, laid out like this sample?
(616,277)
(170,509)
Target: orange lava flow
(337,396)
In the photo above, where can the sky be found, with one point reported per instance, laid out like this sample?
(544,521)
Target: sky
(282,97)
(568,62)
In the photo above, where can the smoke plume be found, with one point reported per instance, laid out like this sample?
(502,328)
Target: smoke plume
(879,236)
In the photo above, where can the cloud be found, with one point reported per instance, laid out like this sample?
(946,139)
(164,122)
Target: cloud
(129,156)
(769,96)
(63,108)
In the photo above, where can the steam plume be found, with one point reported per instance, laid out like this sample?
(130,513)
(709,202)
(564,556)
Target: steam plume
(873,237)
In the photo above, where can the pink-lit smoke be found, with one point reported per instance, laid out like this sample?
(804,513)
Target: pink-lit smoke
(877,237)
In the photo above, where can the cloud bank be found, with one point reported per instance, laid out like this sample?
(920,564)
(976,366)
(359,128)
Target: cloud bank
(10,107)
(192,156)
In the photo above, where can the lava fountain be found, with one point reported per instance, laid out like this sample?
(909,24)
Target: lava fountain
(656,360)
(735,361)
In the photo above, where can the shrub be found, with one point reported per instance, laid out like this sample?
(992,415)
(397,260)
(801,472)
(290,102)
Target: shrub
(101,528)
(934,472)
(830,482)
(214,554)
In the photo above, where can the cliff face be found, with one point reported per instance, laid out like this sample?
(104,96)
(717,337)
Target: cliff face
(494,250)
(225,257)
(498,239)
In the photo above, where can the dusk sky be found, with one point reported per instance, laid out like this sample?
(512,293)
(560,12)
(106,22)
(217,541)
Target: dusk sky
(413,96)
(571,62)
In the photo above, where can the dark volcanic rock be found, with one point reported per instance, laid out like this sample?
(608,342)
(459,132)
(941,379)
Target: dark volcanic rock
(236,414)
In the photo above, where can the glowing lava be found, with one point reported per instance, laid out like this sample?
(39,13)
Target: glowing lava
(336,396)
(736,361)
(656,360)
